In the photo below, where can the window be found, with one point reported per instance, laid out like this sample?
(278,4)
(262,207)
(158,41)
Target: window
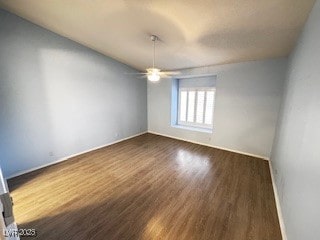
(195,106)
(192,102)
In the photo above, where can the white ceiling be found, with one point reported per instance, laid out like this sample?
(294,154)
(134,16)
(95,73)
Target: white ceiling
(193,32)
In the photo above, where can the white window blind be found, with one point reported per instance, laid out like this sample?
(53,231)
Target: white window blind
(196,106)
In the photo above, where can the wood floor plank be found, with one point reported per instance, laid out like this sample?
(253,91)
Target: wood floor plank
(149,187)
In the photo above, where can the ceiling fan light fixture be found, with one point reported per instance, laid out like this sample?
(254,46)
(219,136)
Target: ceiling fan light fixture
(154,77)
(153,74)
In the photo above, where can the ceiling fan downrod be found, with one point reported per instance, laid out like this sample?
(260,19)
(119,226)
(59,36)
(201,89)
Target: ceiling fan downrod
(154,38)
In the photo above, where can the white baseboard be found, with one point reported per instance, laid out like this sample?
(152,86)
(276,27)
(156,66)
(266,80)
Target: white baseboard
(276,196)
(212,146)
(71,156)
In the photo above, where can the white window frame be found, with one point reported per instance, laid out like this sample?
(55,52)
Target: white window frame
(194,123)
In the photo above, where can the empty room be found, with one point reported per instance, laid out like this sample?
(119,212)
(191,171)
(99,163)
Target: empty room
(160,120)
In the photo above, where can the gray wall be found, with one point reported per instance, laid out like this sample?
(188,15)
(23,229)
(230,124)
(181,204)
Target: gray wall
(59,98)
(296,153)
(248,97)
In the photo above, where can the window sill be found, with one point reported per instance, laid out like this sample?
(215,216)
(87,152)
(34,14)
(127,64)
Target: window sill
(190,128)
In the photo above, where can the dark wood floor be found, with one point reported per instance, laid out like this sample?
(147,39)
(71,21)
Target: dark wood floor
(150,187)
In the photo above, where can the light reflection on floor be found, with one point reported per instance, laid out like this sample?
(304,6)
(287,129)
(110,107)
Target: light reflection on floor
(191,163)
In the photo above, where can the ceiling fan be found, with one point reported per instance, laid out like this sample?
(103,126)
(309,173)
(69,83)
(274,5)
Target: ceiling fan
(155,74)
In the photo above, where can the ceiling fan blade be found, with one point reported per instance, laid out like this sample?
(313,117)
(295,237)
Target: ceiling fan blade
(165,76)
(143,76)
(140,73)
(170,73)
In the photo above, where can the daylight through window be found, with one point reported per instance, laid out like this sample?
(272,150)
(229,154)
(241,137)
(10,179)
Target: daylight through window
(196,107)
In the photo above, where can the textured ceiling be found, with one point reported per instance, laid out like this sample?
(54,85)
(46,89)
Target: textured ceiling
(193,32)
